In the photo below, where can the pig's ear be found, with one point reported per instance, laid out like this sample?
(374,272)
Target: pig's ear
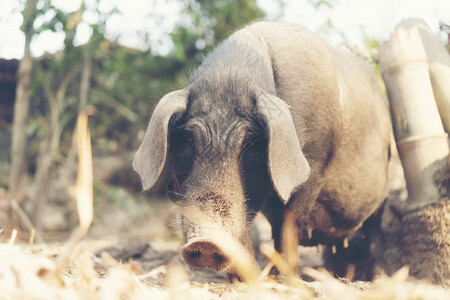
(288,166)
(151,156)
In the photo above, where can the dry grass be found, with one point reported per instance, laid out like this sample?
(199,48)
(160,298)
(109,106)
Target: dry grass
(32,272)
(72,271)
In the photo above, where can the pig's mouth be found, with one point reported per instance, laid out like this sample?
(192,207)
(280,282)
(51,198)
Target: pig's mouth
(204,253)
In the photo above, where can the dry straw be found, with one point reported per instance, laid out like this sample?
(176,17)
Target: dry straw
(84,187)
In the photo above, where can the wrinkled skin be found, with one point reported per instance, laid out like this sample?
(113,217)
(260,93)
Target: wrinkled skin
(273,120)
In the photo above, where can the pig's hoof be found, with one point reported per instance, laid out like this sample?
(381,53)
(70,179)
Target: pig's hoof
(204,254)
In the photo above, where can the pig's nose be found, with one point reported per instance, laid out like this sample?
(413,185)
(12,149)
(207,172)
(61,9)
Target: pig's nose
(204,254)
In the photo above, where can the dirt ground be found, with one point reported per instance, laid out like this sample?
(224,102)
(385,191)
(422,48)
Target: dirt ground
(148,234)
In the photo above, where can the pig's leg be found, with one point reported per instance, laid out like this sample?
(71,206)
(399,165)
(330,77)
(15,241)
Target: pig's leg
(273,210)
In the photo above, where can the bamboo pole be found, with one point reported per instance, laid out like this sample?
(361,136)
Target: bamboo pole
(439,65)
(440,79)
(420,136)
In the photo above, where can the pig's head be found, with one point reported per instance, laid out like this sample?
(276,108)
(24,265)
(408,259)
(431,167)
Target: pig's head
(226,152)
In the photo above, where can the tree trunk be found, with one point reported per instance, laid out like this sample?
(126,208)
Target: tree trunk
(85,81)
(49,147)
(21,108)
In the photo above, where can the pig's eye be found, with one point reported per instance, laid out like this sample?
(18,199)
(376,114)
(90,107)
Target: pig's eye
(188,137)
(250,141)
(185,151)
(182,144)
(254,149)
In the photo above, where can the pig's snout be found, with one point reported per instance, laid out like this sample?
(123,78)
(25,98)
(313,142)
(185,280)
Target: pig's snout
(204,254)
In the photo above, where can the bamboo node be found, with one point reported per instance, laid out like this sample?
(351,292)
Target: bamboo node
(418,138)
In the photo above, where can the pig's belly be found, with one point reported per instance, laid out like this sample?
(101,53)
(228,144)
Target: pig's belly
(348,197)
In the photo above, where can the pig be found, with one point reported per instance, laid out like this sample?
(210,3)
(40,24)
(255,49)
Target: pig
(274,121)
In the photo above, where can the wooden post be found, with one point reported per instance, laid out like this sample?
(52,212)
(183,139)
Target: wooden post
(420,136)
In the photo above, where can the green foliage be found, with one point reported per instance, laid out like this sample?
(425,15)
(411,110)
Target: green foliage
(222,16)
(125,86)
(210,21)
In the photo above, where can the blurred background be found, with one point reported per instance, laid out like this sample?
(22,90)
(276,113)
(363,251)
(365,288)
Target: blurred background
(114,60)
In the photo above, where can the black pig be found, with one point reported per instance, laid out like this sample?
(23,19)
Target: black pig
(273,120)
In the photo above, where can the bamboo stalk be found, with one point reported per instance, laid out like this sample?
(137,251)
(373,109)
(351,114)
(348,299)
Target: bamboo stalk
(439,65)
(420,136)
(440,79)
(439,70)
